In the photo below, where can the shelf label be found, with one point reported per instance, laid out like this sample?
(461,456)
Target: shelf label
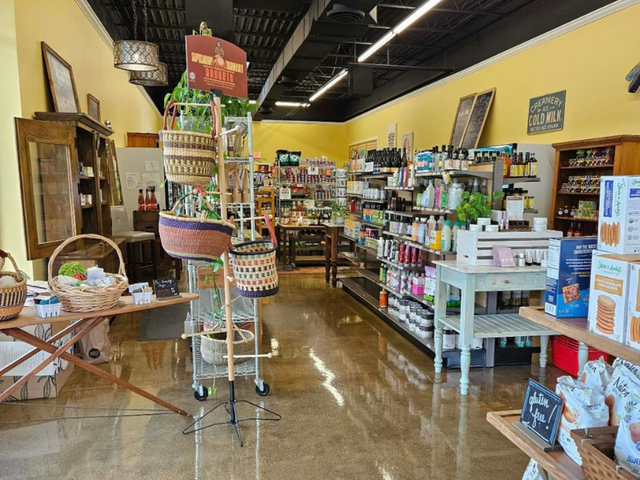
(541,412)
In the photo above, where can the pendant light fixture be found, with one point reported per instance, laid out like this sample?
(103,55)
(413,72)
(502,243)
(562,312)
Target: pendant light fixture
(136,55)
(156,78)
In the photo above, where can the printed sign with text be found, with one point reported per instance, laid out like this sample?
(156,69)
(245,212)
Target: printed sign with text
(546,113)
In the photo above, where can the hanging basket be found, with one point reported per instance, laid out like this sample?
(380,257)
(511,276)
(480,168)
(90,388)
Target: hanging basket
(85,298)
(189,157)
(254,266)
(12,297)
(213,347)
(194,238)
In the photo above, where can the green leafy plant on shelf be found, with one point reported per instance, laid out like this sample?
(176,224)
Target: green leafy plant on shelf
(476,205)
(338,210)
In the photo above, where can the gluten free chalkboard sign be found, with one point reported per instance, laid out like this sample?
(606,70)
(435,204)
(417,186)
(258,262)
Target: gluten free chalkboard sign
(166,288)
(541,412)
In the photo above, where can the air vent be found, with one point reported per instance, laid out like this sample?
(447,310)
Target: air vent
(343,14)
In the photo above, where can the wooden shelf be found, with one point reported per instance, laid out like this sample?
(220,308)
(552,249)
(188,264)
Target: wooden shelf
(558,464)
(586,168)
(373,225)
(85,177)
(86,207)
(577,329)
(577,219)
(597,194)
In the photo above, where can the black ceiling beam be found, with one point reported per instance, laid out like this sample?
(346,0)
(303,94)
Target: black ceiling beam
(128,6)
(440,9)
(264,17)
(387,66)
(261,34)
(285,6)
(423,29)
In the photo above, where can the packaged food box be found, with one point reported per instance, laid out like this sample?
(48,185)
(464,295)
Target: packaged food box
(568,272)
(619,220)
(608,296)
(633,312)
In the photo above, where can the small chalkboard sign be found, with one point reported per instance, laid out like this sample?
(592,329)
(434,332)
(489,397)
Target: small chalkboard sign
(462,118)
(166,288)
(477,119)
(541,412)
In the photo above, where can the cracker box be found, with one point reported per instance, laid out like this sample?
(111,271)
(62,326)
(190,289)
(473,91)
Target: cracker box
(619,220)
(608,294)
(633,313)
(568,272)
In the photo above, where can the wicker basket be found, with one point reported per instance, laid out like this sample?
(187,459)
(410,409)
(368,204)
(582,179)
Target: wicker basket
(189,157)
(213,347)
(86,298)
(193,238)
(596,449)
(254,266)
(12,297)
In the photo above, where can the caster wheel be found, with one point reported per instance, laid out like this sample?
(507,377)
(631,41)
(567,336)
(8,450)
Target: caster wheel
(201,394)
(265,391)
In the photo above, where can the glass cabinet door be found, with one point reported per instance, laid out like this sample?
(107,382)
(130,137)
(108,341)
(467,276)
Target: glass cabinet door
(48,170)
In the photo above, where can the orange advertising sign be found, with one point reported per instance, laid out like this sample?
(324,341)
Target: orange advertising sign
(215,64)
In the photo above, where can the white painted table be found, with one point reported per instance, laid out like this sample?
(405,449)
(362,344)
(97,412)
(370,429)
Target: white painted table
(482,278)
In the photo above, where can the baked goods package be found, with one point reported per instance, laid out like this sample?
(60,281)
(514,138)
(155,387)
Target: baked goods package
(623,383)
(583,408)
(534,472)
(619,214)
(608,294)
(596,374)
(627,448)
(633,308)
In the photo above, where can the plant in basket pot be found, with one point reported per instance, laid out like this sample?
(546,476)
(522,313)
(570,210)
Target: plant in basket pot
(476,205)
(338,212)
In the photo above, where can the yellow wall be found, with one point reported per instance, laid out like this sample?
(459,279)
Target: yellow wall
(590,63)
(313,139)
(11,229)
(65,28)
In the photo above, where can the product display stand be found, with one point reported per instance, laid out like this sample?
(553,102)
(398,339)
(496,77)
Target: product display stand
(231,405)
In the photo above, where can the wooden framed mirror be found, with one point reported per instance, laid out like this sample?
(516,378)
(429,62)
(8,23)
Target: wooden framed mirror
(48,174)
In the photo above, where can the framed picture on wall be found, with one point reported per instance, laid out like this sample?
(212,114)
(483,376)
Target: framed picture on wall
(93,107)
(61,82)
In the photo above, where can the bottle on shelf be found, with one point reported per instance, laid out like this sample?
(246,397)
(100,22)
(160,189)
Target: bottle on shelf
(431,195)
(454,236)
(446,237)
(141,205)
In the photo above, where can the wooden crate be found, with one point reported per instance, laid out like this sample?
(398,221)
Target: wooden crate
(476,248)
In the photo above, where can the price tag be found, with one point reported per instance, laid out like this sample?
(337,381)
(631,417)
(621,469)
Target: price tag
(285,193)
(166,288)
(541,412)
(313,170)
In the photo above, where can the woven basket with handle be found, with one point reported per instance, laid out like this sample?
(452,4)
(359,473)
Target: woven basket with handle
(213,347)
(189,157)
(254,266)
(85,298)
(12,297)
(596,449)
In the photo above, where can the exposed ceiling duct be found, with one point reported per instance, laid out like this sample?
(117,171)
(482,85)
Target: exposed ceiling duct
(343,14)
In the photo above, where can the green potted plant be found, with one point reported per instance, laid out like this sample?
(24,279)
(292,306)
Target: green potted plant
(338,212)
(476,205)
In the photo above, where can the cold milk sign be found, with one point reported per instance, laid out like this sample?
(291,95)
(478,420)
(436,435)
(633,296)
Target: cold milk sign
(546,113)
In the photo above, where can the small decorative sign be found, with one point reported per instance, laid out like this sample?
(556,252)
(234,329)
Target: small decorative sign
(215,64)
(166,288)
(285,193)
(546,113)
(541,412)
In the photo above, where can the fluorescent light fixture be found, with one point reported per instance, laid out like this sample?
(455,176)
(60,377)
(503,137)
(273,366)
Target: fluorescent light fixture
(415,15)
(252,102)
(292,104)
(402,26)
(329,85)
(376,46)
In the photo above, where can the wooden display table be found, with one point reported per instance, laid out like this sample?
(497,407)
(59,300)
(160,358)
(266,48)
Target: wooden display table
(482,278)
(84,322)
(558,464)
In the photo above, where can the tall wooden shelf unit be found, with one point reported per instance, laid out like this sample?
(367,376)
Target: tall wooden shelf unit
(626,161)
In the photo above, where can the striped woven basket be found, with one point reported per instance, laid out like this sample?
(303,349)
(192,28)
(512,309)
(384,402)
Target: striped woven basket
(254,266)
(194,238)
(12,297)
(189,157)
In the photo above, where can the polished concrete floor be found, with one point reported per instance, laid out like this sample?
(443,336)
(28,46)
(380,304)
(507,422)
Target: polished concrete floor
(358,401)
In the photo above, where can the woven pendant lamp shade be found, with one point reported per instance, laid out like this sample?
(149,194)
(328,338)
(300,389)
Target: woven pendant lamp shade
(135,55)
(157,78)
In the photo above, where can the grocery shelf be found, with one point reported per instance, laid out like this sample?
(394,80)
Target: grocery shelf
(457,173)
(596,194)
(358,195)
(400,266)
(586,168)
(403,189)
(367,248)
(411,243)
(371,200)
(434,211)
(368,224)
(499,325)
(369,275)
(377,176)
(401,214)
(508,180)
(577,219)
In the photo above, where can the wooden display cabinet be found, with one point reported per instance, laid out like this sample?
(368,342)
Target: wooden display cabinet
(51,151)
(624,159)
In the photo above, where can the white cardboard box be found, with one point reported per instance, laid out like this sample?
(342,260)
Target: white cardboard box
(633,313)
(608,294)
(619,220)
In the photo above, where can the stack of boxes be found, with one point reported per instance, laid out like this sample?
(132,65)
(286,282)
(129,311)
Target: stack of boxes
(613,272)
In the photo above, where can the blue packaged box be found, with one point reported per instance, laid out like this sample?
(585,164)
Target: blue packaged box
(568,276)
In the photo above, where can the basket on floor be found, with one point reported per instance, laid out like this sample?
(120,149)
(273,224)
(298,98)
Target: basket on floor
(194,238)
(213,347)
(85,298)
(12,297)
(596,447)
(189,157)
(254,266)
